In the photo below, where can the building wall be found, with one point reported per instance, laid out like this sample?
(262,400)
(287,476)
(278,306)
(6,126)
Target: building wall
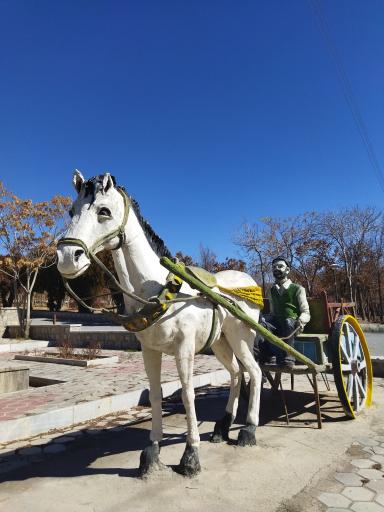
(8,316)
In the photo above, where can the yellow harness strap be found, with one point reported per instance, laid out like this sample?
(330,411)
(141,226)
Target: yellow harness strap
(251,293)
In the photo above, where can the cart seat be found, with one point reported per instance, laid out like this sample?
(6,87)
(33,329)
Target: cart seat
(312,346)
(298,369)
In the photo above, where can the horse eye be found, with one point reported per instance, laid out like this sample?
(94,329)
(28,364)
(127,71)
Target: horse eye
(70,213)
(104,212)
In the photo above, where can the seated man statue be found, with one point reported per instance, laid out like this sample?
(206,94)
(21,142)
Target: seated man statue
(289,314)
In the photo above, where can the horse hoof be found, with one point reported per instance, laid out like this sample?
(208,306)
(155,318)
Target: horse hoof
(247,436)
(150,460)
(189,463)
(221,430)
(216,438)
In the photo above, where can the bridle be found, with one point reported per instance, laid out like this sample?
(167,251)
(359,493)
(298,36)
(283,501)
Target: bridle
(91,254)
(153,308)
(120,232)
(162,302)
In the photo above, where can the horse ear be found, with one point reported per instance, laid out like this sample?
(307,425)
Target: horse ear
(77,180)
(108,182)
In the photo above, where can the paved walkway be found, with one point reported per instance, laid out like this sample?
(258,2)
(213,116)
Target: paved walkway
(18,454)
(44,421)
(359,484)
(297,468)
(87,393)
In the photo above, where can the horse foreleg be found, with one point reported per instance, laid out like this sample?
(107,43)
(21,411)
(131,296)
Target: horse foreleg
(241,341)
(150,456)
(224,354)
(189,463)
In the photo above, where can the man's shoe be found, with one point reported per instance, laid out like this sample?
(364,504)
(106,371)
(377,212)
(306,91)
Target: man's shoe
(287,363)
(270,360)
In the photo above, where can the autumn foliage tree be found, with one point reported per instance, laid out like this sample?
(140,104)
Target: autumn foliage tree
(7,291)
(340,251)
(28,231)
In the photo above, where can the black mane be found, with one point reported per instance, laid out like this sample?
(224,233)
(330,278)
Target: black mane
(95,185)
(154,240)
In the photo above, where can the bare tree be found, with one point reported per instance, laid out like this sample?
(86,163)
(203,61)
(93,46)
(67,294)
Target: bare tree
(350,230)
(208,259)
(185,258)
(252,241)
(295,238)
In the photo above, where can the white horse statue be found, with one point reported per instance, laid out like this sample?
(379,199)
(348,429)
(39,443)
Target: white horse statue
(104,217)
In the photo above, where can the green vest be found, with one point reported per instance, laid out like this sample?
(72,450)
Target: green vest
(286,305)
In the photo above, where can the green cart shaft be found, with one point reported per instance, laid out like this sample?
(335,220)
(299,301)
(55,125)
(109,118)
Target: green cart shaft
(180,271)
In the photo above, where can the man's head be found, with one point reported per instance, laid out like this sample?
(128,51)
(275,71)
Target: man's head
(280,268)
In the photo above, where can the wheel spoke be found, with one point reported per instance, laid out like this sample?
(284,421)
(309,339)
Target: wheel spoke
(349,387)
(356,394)
(361,387)
(346,367)
(347,335)
(356,346)
(344,351)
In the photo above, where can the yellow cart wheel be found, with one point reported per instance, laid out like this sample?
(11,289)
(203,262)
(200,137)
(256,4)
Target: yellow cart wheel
(351,364)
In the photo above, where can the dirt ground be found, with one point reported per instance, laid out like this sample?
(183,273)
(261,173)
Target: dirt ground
(282,473)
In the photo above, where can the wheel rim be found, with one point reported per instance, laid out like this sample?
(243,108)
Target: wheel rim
(351,365)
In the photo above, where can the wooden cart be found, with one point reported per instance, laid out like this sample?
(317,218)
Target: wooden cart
(333,342)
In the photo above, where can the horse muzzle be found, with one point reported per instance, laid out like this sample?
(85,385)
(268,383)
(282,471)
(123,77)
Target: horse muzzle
(72,261)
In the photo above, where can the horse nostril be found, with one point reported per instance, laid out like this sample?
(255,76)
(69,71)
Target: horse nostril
(78,253)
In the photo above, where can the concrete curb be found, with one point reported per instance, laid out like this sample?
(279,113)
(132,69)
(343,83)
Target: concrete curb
(23,346)
(113,337)
(370,327)
(87,363)
(33,425)
(378,366)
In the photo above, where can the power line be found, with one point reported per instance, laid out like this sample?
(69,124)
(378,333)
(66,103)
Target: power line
(347,89)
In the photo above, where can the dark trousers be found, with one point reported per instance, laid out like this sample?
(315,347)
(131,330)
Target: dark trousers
(281,328)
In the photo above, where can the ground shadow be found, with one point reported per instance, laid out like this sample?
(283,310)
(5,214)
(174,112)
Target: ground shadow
(84,451)
(78,458)
(81,453)
(301,408)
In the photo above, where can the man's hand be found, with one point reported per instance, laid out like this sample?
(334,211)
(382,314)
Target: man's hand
(264,322)
(299,325)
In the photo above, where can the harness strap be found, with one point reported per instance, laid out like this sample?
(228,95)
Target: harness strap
(153,308)
(116,282)
(140,320)
(209,342)
(77,298)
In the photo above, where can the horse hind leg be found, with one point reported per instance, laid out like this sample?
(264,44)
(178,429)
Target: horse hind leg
(225,355)
(241,340)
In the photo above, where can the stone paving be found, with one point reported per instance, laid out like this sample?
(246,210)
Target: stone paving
(357,486)
(85,393)
(18,454)
(360,487)
(79,384)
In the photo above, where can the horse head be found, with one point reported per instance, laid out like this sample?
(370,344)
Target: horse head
(99,215)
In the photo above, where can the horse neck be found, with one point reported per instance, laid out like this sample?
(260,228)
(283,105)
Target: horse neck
(146,275)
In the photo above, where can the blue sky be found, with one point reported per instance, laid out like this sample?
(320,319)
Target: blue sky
(210,113)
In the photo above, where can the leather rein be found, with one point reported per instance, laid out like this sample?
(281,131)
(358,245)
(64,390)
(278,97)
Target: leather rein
(153,307)
(90,252)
